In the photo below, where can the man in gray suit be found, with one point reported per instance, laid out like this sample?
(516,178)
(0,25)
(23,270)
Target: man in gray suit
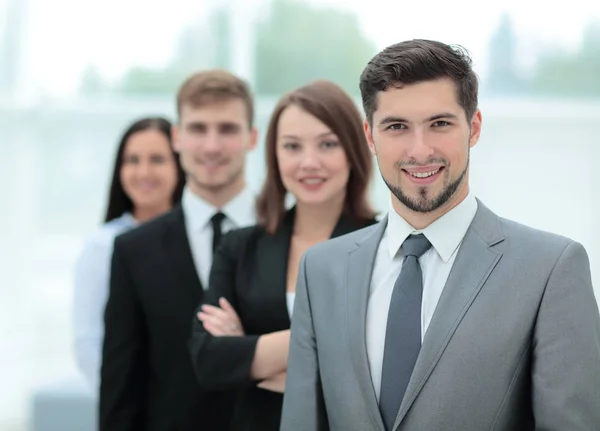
(444,316)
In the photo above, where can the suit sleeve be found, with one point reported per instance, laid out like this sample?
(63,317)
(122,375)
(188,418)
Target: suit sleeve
(566,348)
(222,363)
(303,403)
(124,375)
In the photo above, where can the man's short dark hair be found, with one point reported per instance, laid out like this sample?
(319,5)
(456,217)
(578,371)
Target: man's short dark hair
(416,61)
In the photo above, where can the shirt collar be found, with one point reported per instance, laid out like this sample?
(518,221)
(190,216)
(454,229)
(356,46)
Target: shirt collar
(127,220)
(445,234)
(198,212)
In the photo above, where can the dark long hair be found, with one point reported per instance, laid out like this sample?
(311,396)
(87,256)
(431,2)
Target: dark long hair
(332,106)
(118,201)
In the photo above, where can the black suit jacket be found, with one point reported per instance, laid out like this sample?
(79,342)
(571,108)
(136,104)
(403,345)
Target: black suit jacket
(147,381)
(250,271)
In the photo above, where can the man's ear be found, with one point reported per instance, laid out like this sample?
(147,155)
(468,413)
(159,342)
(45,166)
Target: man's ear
(253,138)
(369,134)
(176,138)
(475,128)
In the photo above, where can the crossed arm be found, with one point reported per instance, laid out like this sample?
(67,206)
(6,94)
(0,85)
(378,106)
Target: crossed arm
(271,354)
(223,355)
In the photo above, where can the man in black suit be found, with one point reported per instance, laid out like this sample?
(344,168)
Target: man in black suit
(160,270)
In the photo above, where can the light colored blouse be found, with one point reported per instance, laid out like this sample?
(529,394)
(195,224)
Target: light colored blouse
(290,297)
(92,278)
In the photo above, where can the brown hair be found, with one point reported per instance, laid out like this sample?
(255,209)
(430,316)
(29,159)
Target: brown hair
(415,61)
(331,105)
(212,86)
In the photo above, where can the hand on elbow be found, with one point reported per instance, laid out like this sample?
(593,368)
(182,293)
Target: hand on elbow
(221,321)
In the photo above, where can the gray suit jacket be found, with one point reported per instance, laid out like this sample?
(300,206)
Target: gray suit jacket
(514,343)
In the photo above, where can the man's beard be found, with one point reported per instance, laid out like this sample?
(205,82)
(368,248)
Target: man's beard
(424,204)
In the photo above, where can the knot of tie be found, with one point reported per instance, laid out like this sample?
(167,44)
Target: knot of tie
(415,245)
(217,218)
(216,221)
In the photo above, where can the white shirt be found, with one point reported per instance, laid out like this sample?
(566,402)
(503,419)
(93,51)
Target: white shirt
(290,299)
(239,212)
(92,279)
(445,235)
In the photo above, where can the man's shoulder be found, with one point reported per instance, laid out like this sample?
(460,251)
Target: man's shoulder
(519,239)
(150,231)
(535,250)
(529,237)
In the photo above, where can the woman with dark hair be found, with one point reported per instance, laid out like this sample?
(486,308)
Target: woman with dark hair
(147,181)
(316,151)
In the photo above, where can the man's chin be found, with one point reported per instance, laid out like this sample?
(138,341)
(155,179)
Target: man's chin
(419,203)
(213,182)
(213,186)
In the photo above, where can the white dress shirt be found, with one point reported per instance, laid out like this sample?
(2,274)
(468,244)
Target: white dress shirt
(92,278)
(239,212)
(445,236)
(290,299)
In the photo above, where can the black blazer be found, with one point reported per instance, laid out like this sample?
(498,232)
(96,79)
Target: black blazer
(147,381)
(250,270)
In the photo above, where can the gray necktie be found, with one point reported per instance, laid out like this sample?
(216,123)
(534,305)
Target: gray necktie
(403,333)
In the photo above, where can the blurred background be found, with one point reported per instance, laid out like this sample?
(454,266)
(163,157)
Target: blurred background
(75,73)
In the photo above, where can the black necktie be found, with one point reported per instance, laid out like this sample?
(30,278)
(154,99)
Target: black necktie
(216,221)
(403,333)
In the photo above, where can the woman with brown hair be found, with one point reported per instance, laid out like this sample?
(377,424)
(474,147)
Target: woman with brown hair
(317,152)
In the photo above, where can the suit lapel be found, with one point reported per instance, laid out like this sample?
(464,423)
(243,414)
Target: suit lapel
(273,253)
(358,281)
(178,251)
(474,263)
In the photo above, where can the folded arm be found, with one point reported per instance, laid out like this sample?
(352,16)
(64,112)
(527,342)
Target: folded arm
(275,383)
(222,356)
